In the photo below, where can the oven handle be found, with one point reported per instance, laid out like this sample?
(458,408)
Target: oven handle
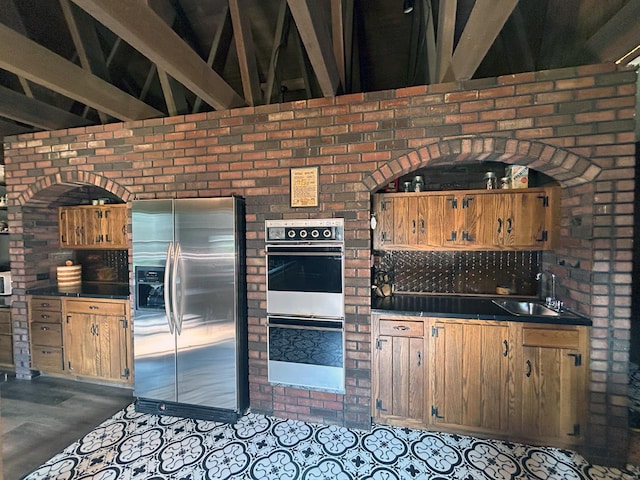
(306,323)
(306,327)
(304,250)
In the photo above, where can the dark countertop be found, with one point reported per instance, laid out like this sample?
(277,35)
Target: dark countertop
(91,290)
(449,306)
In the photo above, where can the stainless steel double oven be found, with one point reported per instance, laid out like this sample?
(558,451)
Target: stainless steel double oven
(305,302)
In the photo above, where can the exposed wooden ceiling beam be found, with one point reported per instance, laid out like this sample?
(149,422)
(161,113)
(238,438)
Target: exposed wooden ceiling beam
(87,45)
(430,41)
(444,42)
(316,37)
(30,111)
(558,37)
(518,54)
(138,25)
(619,36)
(24,57)
(348,46)
(15,22)
(9,128)
(337,32)
(485,22)
(173,92)
(219,50)
(246,52)
(279,40)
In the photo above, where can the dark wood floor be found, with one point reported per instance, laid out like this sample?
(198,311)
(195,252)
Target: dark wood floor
(41,417)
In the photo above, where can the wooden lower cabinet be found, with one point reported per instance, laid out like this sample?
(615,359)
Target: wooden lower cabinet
(469,375)
(400,363)
(6,338)
(551,383)
(83,338)
(45,333)
(97,339)
(519,381)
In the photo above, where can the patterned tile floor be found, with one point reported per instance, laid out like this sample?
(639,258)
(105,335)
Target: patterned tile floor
(133,445)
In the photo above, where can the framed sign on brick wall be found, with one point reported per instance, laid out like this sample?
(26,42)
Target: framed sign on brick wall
(304,187)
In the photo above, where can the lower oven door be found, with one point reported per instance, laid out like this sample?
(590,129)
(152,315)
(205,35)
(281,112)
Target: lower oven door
(306,352)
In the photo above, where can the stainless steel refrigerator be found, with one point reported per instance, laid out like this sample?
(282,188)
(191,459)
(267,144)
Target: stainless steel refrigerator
(189,324)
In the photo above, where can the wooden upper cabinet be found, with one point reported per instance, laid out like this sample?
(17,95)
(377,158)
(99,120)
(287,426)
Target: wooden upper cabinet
(114,226)
(95,226)
(515,220)
(467,220)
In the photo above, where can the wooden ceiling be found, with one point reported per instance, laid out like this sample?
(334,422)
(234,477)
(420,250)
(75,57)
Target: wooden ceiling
(66,63)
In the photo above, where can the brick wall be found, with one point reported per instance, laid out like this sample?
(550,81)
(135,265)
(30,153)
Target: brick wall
(576,125)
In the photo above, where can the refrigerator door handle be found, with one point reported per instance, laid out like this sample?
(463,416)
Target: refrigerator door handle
(167,292)
(175,305)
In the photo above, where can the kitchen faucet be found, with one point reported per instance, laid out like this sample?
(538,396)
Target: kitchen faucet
(550,299)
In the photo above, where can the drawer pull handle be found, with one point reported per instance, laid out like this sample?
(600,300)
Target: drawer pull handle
(94,307)
(44,304)
(46,352)
(401,328)
(419,358)
(44,329)
(506,348)
(528,374)
(44,315)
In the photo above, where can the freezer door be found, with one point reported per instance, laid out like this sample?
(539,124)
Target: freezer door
(154,343)
(205,297)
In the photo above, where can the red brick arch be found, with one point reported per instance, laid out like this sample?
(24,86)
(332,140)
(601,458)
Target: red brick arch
(561,164)
(66,180)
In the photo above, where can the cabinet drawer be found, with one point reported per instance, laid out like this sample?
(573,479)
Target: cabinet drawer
(45,303)
(553,338)
(398,328)
(46,334)
(47,358)
(38,315)
(95,308)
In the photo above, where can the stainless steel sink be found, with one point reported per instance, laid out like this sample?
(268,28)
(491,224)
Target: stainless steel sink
(523,307)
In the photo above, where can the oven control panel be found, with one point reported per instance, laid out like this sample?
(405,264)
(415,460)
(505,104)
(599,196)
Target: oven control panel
(305,230)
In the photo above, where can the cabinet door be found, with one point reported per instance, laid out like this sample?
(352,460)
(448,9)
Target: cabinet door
(114,226)
(111,343)
(401,221)
(383,213)
(80,346)
(72,226)
(469,376)
(550,406)
(528,212)
(443,222)
(400,372)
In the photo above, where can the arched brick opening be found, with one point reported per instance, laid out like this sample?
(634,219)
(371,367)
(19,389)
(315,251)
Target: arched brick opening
(31,254)
(564,166)
(588,280)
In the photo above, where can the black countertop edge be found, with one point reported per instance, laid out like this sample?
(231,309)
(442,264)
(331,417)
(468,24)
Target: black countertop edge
(577,320)
(116,292)
(464,307)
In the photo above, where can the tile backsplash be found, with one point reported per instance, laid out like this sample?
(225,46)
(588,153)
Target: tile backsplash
(464,272)
(105,266)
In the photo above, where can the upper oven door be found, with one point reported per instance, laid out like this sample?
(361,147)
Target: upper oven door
(305,280)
